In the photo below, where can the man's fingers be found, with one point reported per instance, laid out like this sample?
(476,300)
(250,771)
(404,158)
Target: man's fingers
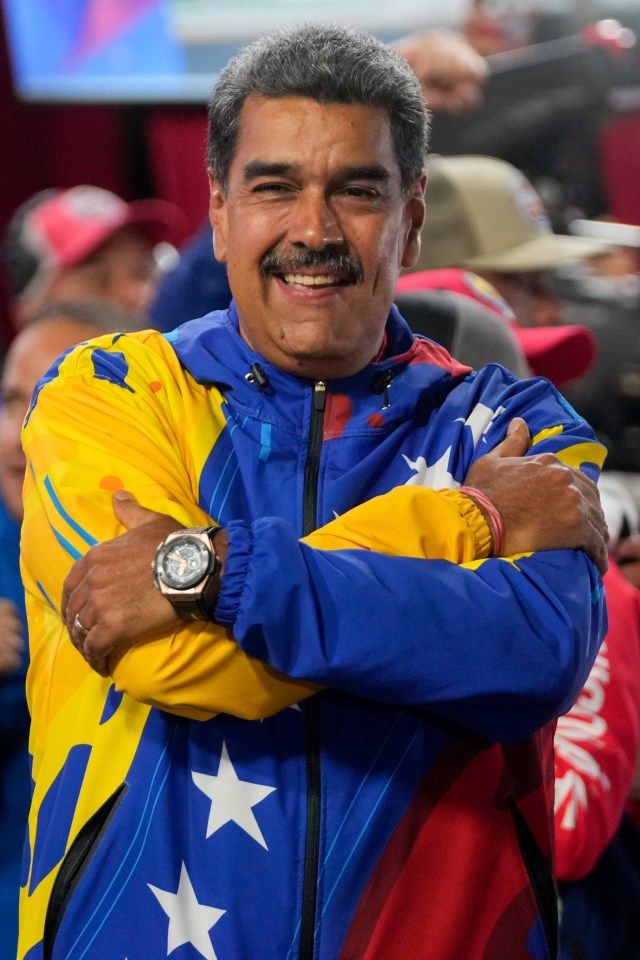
(516,443)
(129,512)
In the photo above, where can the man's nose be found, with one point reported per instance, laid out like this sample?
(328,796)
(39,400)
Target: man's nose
(313,224)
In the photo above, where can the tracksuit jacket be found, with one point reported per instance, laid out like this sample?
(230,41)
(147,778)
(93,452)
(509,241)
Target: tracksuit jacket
(355,760)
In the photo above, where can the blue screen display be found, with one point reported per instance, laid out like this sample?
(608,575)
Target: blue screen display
(168,50)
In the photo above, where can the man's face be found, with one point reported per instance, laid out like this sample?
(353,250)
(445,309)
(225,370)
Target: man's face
(529,295)
(122,270)
(30,355)
(314,228)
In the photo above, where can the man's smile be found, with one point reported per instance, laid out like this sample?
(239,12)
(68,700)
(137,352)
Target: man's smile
(311,280)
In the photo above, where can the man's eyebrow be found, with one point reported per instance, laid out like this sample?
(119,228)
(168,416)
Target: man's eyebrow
(262,168)
(374,171)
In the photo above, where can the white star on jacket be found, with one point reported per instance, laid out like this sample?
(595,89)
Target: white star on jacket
(189,921)
(232,799)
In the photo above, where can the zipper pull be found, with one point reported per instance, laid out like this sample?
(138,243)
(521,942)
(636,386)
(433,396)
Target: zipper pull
(319,395)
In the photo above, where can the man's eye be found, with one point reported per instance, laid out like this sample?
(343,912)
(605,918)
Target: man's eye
(272,188)
(360,193)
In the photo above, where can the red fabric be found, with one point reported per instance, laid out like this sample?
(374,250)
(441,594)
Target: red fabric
(597,741)
(445,847)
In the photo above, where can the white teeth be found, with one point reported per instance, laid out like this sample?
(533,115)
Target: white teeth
(308,281)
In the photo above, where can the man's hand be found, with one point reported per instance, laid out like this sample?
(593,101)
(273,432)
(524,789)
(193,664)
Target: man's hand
(449,69)
(110,589)
(11,639)
(544,504)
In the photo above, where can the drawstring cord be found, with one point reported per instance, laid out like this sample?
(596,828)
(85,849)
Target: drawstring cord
(381,384)
(257,376)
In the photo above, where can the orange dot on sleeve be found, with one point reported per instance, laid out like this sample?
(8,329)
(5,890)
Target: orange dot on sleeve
(111,484)
(155,386)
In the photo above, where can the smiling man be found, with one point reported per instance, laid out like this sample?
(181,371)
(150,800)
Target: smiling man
(314,224)
(348,525)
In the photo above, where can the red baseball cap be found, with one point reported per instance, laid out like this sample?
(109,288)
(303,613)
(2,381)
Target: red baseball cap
(559,353)
(67,226)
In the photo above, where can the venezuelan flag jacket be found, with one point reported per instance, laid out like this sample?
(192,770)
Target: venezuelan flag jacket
(355,762)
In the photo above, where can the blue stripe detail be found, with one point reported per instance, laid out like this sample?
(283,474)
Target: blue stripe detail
(44,594)
(365,827)
(88,539)
(64,543)
(230,457)
(230,486)
(265,440)
(360,788)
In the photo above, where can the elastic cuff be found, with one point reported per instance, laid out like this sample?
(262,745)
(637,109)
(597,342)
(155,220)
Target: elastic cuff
(492,515)
(236,566)
(474,519)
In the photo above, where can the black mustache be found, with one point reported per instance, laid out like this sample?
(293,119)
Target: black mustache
(349,267)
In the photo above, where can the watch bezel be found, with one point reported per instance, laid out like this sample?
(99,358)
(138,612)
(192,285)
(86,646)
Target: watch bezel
(196,602)
(169,545)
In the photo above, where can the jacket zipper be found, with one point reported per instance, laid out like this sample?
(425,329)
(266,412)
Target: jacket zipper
(540,877)
(312,744)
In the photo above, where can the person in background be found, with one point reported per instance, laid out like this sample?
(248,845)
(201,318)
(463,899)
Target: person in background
(604,294)
(562,354)
(53,329)
(451,72)
(85,242)
(486,216)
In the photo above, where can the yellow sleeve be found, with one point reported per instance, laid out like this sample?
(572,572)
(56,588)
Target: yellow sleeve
(125,415)
(147,427)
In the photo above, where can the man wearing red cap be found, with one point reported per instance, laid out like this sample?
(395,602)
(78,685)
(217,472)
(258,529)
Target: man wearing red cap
(85,242)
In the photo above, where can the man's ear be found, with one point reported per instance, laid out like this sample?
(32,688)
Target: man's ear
(218,218)
(415,210)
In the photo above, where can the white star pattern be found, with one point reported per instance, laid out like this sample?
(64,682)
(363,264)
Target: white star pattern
(189,921)
(438,476)
(232,799)
(480,419)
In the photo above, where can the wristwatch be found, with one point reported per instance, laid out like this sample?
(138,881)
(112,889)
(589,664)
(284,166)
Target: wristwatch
(187,571)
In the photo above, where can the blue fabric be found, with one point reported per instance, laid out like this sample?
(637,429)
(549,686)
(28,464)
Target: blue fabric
(405,645)
(15,781)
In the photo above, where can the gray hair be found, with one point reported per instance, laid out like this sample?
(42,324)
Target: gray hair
(329,64)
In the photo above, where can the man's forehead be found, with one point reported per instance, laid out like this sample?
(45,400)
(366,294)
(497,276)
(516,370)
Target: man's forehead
(296,111)
(301,130)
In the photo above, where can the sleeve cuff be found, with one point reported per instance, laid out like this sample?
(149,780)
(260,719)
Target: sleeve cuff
(236,567)
(474,519)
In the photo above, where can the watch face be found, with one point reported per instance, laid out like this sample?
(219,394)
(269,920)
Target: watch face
(183,562)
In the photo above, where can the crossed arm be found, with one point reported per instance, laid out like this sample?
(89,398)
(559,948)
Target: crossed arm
(198,670)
